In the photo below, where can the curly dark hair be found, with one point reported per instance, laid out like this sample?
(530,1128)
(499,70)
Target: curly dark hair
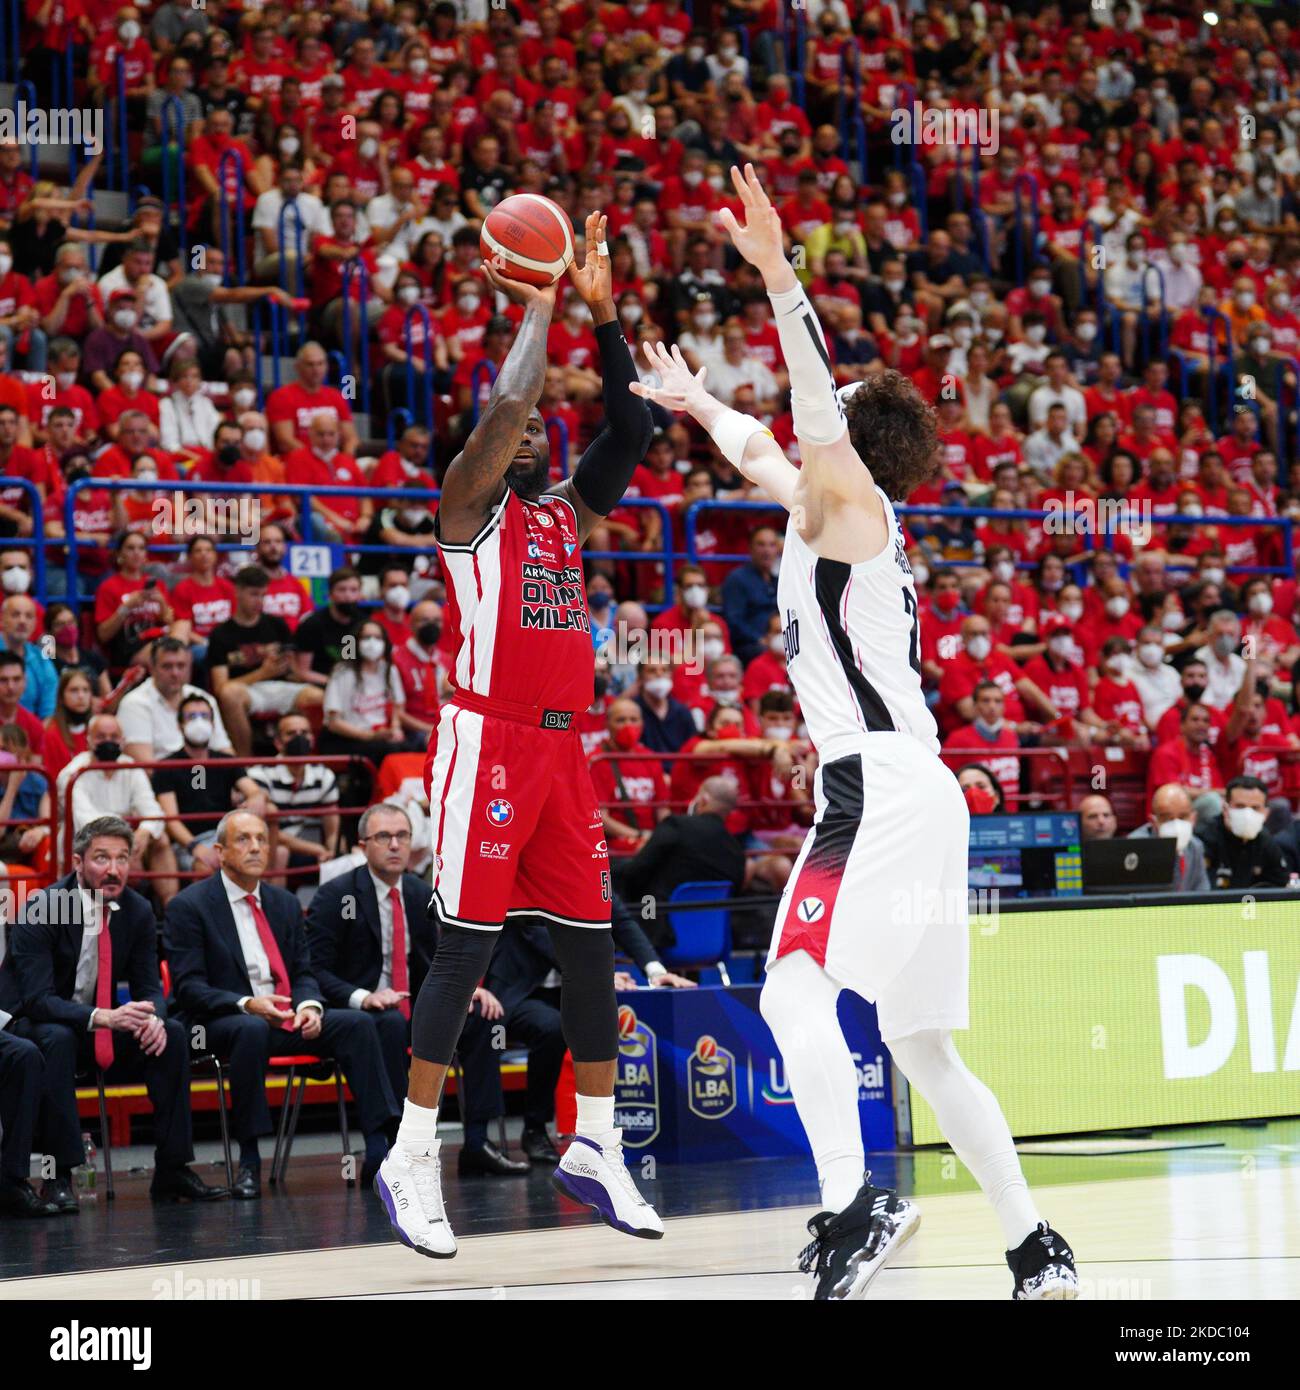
(893,431)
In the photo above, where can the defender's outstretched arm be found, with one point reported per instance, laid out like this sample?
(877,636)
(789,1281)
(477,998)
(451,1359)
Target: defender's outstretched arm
(825,451)
(476,476)
(744,441)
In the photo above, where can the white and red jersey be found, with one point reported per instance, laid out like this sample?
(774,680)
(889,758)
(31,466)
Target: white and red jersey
(517,601)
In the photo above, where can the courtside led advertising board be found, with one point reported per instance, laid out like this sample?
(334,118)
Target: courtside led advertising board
(1128,1017)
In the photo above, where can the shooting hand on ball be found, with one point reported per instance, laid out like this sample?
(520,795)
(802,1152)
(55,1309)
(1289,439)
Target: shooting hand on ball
(530,296)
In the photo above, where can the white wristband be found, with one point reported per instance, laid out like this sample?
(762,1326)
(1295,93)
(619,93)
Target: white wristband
(732,431)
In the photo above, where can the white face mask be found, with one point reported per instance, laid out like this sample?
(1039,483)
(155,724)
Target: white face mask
(326,455)
(369,148)
(244,398)
(781,732)
(419,66)
(198,731)
(729,698)
(980,299)
(128,31)
(776,644)
(979,647)
(413,517)
(408,294)
(124,319)
(920,576)
(1117,607)
(289,146)
(399,596)
(1072,612)
(962,337)
(692,178)
(147,475)
(1151,654)
(695,596)
(1245,299)
(1178,254)
(631,313)
(371,648)
(133,381)
(1035,333)
(6,265)
(254,441)
(658,688)
(1171,622)
(705,321)
(17,580)
(895,286)
(1115,665)
(1003,571)
(1180,831)
(66,380)
(467,304)
(1061,645)
(1212,575)
(1039,288)
(1261,604)
(1086,332)
(1245,822)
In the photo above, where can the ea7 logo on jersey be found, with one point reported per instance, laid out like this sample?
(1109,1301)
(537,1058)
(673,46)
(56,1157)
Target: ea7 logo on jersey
(491,849)
(810,910)
(500,811)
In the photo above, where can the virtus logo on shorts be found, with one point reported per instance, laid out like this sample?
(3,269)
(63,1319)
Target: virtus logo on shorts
(810,910)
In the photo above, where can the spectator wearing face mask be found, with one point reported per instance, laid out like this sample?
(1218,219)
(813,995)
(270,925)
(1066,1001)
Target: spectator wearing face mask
(1194,678)
(395,600)
(1158,684)
(1225,668)
(419,666)
(989,736)
(630,785)
(1239,852)
(321,463)
(977,662)
(1172,819)
(1058,672)
(1116,619)
(302,796)
(1269,635)
(364,701)
(691,609)
(1256,733)
(767,671)
(666,722)
(120,334)
(121,790)
(723,688)
(223,787)
(149,713)
(1116,700)
(702,343)
(982,790)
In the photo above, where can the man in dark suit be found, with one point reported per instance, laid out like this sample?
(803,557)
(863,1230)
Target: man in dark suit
(59,979)
(353,924)
(242,971)
(22,1077)
(685,849)
(525,976)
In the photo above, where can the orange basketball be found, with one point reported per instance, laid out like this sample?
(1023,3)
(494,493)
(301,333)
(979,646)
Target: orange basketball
(706,1049)
(626,1022)
(528,237)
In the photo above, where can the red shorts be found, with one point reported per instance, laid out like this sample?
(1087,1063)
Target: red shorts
(516,830)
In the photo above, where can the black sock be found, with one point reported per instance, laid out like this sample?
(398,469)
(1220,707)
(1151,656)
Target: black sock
(249,1155)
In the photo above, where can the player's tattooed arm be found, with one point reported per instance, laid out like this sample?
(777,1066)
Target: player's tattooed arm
(476,476)
(763,463)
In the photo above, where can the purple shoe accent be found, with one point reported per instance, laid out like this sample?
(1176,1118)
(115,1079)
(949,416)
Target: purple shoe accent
(382,1192)
(577,1189)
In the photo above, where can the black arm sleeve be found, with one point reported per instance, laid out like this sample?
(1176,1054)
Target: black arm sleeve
(606,466)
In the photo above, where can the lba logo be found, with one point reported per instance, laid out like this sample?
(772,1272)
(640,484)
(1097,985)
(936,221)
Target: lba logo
(636,1095)
(500,811)
(710,1080)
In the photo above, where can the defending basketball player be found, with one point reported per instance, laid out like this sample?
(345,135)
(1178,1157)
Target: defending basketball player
(877,902)
(515,824)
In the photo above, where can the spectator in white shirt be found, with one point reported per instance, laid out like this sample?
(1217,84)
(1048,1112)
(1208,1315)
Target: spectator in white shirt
(126,793)
(738,369)
(148,714)
(187,419)
(1045,448)
(1056,390)
(1226,669)
(1159,685)
(310,219)
(135,274)
(1182,279)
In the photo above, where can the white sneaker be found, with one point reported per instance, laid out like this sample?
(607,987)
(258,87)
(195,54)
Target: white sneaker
(410,1187)
(596,1176)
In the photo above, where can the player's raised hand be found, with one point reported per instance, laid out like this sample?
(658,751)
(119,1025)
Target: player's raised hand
(527,295)
(594,279)
(760,239)
(680,387)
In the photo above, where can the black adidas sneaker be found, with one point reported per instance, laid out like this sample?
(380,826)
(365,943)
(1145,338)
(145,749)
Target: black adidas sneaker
(851,1247)
(1043,1267)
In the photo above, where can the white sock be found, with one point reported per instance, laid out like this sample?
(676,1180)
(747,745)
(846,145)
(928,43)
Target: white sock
(419,1127)
(596,1118)
(798,1004)
(972,1122)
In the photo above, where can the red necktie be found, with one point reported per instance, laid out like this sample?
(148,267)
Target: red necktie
(401,971)
(279,975)
(104,995)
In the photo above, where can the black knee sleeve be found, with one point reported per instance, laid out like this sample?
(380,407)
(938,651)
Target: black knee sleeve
(443,1003)
(588,1008)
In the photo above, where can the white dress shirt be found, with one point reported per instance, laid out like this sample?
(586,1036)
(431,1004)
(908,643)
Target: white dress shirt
(256,961)
(382,891)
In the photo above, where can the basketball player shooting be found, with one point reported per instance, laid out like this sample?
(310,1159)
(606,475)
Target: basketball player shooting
(516,828)
(877,902)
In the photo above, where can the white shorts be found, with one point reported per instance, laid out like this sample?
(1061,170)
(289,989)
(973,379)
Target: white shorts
(878,896)
(273,697)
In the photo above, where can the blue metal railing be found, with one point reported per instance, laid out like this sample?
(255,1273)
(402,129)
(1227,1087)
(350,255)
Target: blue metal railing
(25,97)
(555,426)
(355,273)
(36,542)
(173,173)
(1164,313)
(230,222)
(1022,180)
(1215,320)
(11,34)
(1287,456)
(424,379)
(480,368)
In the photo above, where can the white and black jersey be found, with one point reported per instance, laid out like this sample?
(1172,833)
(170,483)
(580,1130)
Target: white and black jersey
(853,643)
(319,787)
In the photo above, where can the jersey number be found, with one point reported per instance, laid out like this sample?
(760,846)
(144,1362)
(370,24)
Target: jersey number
(914,647)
